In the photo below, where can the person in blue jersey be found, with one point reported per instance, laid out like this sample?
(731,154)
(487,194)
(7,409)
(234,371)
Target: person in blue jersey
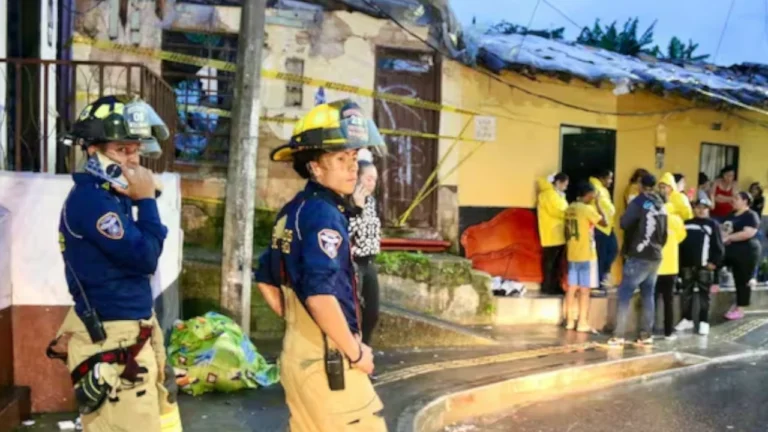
(307,276)
(114,348)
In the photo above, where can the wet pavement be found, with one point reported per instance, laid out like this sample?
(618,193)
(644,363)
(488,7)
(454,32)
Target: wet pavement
(408,379)
(724,397)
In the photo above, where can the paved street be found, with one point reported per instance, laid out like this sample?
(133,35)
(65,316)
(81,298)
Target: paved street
(724,397)
(712,400)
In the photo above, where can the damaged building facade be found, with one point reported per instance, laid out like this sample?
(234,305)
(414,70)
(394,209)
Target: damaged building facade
(553,105)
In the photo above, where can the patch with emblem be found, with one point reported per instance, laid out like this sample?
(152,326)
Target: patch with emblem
(330,242)
(110,226)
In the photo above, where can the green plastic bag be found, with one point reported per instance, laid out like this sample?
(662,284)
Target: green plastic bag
(217,356)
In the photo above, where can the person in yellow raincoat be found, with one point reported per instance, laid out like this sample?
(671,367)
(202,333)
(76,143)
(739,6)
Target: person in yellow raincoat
(679,203)
(307,276)
(605,238)
(670,268)
(550,210)
(114,345)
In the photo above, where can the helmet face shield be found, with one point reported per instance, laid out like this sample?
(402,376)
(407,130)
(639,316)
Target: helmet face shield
(150,148)
(332,127)
(122,118)
(143,121)
(359,132)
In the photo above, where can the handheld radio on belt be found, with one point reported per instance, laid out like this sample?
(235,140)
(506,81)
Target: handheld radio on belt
(90,317)
(334,359)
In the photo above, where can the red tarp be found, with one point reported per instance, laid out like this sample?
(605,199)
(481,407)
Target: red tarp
(507,246)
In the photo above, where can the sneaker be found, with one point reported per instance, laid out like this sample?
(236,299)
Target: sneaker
(703,328)
(671,337)
(571,325)
(615,342)
(684,325)
(645,339)
(586,329)
(734,315)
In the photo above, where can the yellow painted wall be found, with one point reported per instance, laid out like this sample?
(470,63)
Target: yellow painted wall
(502,173)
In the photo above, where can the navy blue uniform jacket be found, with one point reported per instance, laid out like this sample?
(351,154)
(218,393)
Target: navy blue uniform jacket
(112,255)
(311,236)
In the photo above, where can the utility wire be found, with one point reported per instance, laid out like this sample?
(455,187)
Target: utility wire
(527,29)
(569,19)
(722,33)
(522,89)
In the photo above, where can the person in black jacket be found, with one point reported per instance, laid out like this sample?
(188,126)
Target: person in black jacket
(701,253)
(645,232)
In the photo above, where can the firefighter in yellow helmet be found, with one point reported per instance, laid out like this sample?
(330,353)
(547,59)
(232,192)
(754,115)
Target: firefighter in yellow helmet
(307,277)
(114,345)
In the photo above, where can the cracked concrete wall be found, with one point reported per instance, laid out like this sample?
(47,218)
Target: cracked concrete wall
(97,20)
(339,47)
(342,48)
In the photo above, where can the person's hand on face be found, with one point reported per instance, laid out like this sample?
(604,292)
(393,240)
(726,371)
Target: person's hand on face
(141,183)
(358,196)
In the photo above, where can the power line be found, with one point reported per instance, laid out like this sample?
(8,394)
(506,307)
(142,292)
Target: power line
(569,19)
(527,29)
(722,33)
(516,87)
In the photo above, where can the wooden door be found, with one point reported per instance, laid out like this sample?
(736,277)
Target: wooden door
(410,160)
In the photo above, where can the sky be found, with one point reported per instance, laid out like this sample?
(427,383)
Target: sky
(745,38)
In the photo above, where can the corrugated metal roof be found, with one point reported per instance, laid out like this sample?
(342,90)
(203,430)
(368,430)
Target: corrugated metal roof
(528,53)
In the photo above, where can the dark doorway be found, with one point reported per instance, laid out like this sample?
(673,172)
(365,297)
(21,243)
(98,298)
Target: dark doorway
(410,160)
(584,151)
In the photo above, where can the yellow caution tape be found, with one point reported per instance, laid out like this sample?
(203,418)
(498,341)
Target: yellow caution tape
(271,74)
(224,113)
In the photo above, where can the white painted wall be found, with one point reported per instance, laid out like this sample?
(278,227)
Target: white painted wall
(3,79)
(37,270)
(49,19)
(5,259)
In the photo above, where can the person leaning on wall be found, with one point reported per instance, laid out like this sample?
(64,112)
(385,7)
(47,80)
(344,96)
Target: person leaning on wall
(550,210)
(365,236)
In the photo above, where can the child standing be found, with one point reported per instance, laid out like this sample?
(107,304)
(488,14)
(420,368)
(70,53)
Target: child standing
(701,253)
(580,221)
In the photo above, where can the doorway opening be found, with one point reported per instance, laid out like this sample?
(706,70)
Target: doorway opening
(583,152)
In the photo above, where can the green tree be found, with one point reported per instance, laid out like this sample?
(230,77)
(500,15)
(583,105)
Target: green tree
(625,41)
(679,50)
(628,42)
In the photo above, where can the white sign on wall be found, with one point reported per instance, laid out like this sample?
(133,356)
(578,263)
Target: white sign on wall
(485,128)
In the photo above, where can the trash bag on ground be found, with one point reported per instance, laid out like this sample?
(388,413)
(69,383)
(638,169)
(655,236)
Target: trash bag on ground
(217,356)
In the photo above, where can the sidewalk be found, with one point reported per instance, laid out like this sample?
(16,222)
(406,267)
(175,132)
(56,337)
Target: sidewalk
(408,379)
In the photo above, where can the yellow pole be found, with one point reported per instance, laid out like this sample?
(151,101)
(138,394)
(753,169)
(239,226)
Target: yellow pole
(421,195)
(433,188)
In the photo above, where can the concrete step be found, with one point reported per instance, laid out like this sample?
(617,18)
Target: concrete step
(529,309)
(15,407)
(399,327)
(537,309)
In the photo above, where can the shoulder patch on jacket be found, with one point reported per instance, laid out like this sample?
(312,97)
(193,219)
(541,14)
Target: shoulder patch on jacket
(110,226)
(330,242)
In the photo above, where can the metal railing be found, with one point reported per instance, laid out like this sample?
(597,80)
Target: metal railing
(42,98)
